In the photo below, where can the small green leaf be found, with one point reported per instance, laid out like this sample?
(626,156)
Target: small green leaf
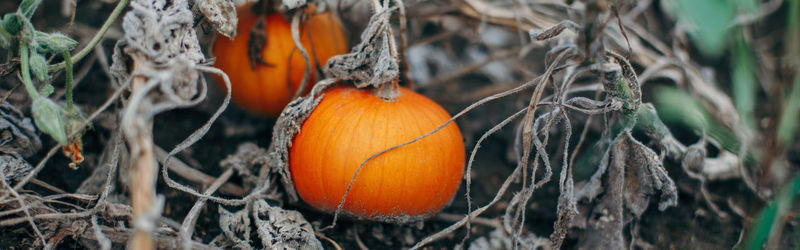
(47,116)
(12,23)
(46,89)
(27,7)
(38,66)
(55,42)
(28,33)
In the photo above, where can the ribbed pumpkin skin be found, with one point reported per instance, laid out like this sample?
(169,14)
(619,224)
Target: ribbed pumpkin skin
(266,90)
(348,126)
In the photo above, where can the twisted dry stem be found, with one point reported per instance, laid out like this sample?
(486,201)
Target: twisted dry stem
(295,28)
(187,228)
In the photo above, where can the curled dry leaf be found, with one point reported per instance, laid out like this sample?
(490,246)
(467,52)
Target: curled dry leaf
(13,168)
(221,13)
(256,42)
(17,133)
(283,229)
(161,36)
(645,176)
(292,4)
(370,63)
(286,127)
(236,227)
(621,84)
(633,175)
(247,156)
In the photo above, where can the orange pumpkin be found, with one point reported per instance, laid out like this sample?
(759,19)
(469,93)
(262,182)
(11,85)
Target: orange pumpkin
(348,126)
(267,89)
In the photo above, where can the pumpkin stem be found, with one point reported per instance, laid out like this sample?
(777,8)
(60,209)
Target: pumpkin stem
(388,91)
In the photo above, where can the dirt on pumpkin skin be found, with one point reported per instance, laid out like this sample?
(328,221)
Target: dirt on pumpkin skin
(446,60)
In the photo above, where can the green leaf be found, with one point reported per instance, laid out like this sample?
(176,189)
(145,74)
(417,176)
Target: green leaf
(647,118)
(28,33)
(708,21)
(768,224)
(38,66)
(55,42)
(674,105)
(12,23)
(791,114)
(792,39)
(787,127)
(744,82)
(46,90)
(27,7)
(48,118)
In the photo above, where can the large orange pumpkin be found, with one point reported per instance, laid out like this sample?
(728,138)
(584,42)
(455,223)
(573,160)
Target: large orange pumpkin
(267,89)
(348,126)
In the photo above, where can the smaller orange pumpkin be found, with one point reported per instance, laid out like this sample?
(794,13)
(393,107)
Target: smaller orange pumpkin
(267,89)
(348,126)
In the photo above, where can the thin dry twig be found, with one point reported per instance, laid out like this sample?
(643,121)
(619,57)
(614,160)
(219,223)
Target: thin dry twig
(194,137)
(195,175)
(295,27)
(105,243)
(25,209)
(335,245)
(187,228)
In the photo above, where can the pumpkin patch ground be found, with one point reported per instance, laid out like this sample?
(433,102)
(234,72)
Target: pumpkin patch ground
(443,124)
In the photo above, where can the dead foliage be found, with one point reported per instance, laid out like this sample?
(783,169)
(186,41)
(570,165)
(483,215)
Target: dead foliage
(582,96)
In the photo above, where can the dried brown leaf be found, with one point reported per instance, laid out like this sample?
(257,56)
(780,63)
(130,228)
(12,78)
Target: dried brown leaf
(221,13)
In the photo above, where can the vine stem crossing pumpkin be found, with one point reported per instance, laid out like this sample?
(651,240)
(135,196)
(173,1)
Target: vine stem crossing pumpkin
(267,89)
(348,126)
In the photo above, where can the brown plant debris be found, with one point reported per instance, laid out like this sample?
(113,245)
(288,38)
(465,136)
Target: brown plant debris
(634,174)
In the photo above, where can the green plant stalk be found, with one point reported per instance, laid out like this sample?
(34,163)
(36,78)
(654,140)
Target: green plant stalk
(678,106)
(790,117)
(787,126)
(26,74)
(96,39)
(34,4)
(797,236)
(7,36)
(68,69)
(744,82)
(793,31)
(768,223)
